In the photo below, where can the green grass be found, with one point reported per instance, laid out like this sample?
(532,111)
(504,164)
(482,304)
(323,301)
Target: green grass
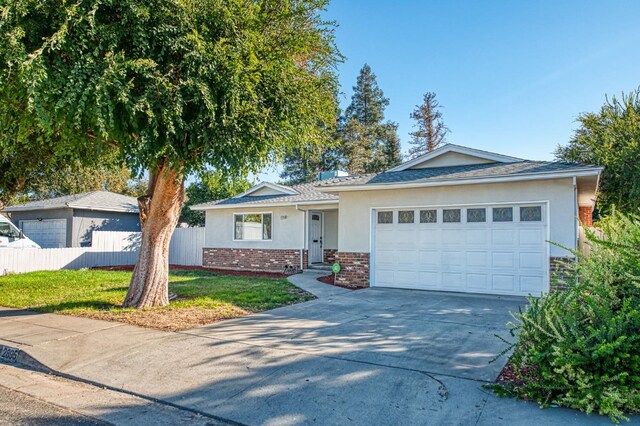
(203,296)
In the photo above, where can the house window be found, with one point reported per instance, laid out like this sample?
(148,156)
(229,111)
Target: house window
(385,217)
(406,216)
(531,214)
(503,214)
(451,215)
(476,215)
(255,226)
(428,216)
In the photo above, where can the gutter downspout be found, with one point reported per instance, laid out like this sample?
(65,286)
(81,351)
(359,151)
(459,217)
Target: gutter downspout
(304,234)
(576,214)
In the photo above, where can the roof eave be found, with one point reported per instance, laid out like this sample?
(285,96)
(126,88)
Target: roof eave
(250,205)
(462,181)
(17,209)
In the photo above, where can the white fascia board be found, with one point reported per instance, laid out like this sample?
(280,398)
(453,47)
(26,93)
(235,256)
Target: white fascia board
(459,149)
(103,209)
(279,188)
(256,206)
(472,181)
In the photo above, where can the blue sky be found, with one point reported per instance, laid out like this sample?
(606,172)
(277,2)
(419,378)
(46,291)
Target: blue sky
(512,75)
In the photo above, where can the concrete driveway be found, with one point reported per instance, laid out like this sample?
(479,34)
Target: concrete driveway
(366,357)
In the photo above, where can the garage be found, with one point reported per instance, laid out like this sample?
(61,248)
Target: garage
(48,233)
(492,249)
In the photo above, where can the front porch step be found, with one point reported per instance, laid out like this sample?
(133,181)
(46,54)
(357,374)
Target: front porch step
(320,267)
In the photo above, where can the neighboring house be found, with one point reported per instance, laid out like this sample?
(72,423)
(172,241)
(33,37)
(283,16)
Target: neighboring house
(69,220)
(455,219)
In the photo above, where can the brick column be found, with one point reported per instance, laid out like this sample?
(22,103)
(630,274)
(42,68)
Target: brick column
(557,269)
(586,216)
(354,270)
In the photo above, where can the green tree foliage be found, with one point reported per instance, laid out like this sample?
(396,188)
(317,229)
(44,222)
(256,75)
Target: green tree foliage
(174,87)
(430,130)
(370,144)
(210,186)
(302,165)
(580,347)
(611,138)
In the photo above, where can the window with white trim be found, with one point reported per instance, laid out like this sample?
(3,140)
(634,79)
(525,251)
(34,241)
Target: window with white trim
(252,226)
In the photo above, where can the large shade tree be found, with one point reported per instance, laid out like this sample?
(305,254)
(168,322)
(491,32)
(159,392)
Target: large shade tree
(176,86)
(611,138)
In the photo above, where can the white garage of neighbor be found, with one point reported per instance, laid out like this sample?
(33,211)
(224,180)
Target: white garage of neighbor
(47,233)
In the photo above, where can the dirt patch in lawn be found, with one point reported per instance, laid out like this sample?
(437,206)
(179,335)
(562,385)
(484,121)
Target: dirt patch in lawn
(233,272)
(167,319)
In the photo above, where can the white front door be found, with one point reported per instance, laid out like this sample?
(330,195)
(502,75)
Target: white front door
(315,238)
(48,233)
(497,249)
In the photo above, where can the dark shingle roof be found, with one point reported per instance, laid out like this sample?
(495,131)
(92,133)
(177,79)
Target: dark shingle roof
(96,200)
(472,171)
(304,193)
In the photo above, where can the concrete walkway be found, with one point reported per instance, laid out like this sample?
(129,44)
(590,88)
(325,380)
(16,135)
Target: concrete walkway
(309,281)
(366,357)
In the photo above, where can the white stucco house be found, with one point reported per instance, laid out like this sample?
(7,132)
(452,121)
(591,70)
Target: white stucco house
(456,219)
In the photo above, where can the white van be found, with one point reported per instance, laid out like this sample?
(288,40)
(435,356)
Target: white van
(12,237)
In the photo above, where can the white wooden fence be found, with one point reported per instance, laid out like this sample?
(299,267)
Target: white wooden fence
(107,249)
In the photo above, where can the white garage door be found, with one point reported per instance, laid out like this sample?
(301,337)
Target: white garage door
(497,249)
(48,233)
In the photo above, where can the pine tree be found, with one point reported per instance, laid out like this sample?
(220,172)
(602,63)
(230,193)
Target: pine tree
(430,130)
(370,143)
(303,164)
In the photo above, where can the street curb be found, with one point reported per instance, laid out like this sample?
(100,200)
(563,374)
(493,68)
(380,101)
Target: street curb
(17,357)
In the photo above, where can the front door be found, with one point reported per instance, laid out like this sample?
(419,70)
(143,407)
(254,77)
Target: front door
(315,238)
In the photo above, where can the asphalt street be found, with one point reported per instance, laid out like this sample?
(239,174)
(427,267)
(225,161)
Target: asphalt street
(17,408)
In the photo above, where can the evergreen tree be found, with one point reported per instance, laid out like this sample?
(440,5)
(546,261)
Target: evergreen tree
(303,164)
(370,144)
(430,130)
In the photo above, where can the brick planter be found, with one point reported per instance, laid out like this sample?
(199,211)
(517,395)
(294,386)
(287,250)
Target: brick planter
(269,260)
(556,268)
(330,255)
(354,269)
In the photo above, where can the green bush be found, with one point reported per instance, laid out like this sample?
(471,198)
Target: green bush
(580,348)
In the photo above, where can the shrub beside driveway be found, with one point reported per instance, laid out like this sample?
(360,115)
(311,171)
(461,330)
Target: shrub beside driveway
(202,297)
(580,348)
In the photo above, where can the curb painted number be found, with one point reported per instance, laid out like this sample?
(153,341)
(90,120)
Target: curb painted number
(8,354)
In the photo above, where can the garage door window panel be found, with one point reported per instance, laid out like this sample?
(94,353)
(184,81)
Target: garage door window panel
(385,217)
(476,215)
(451,215)
(503,214)
(406,216)
(429,216)
(530,214)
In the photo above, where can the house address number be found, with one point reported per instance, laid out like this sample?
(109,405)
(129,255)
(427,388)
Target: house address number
(8,354)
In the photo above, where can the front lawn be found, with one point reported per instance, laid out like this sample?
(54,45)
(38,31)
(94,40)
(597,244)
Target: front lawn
(203,297)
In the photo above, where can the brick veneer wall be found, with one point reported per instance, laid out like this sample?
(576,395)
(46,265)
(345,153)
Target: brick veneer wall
(586,216)
(354,270)
(330,255)
(557,269)
(270,260)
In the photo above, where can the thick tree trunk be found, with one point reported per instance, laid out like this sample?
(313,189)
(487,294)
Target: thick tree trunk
(159,214)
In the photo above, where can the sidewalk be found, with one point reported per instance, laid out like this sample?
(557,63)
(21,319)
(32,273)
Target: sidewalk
(322,362)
